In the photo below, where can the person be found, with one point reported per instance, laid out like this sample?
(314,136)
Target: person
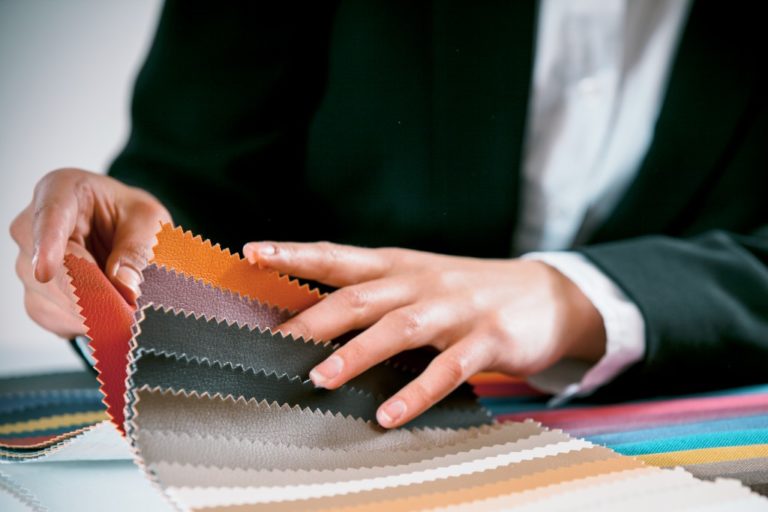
(571,191)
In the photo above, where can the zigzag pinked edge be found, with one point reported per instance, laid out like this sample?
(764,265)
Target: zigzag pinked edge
(441,478)
(289,338)
(229,324)
(131,428)
(295,379)
(459,447)
(86,323)
(472,431)
(274,310)
(225,252)
(49,448)
(140,315)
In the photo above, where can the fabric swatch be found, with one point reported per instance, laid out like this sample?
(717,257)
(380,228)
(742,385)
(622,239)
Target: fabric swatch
(108,318)
(261,351)
(170,411)
(191,255)
(40,413)
(163,371)
(711,430)
(184,293)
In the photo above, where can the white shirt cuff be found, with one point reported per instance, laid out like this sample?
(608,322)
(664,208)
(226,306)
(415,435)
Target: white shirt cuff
(624,329)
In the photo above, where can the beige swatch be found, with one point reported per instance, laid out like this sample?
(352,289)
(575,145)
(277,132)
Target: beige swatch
(238,453)
(353,466)
(519,477)
(264,422)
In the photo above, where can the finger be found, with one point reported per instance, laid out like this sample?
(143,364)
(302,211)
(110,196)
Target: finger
(51,316)
(58,291)
(132,247)
(331,264)
(444,374)
(352,307)
(403,329)
(55,210)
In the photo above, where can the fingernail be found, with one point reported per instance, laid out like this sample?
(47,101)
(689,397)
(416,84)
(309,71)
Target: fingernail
(129,278)
(390,412)
(267,250)
(327,370)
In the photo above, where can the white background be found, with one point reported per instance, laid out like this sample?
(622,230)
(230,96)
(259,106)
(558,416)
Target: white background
(66,74)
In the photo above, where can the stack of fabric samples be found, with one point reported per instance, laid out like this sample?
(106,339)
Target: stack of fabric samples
(40,414)
(221,415)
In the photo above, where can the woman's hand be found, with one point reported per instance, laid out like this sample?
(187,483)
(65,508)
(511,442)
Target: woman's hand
(512,316)
(89,215)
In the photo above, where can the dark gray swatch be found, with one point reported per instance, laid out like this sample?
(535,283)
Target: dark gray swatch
(173,372)
(209,340)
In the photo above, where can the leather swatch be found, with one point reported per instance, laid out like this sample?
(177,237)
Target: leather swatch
(156,370)
(191,255)
(294,426)
(180,292)
(359,465)
(201,340)
(108,318)
(526,475)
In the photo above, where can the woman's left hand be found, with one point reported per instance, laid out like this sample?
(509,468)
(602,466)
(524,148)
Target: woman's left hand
(513,316)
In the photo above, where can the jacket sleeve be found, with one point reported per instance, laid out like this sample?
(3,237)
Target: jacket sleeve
(221,109)
(705,305)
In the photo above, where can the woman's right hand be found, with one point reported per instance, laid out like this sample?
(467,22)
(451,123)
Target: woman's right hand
(89,215)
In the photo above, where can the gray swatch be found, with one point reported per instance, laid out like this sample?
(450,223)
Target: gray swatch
(168,371)
(208,340)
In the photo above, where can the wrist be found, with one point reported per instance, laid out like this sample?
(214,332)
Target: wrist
(583,334)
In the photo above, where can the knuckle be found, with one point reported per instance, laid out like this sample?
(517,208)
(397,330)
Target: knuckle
(21,268)
(354,298)
(447,279)
(297,328)
(33,306)
(136,253)
(454,369)
(16,229)
(409,322)
(424,393)
(51,177)
(498,325)
(355,353)
(334,253)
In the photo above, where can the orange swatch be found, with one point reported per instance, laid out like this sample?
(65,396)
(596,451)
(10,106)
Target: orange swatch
(108,318)
(191,255)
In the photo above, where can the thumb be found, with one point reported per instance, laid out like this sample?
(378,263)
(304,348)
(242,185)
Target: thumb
(132,249)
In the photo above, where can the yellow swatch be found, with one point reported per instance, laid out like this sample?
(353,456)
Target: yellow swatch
(49,422)
(705,455)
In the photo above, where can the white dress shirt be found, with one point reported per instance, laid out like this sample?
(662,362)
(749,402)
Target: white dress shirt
(599,78)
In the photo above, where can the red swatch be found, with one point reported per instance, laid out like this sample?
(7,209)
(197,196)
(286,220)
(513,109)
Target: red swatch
(108,318)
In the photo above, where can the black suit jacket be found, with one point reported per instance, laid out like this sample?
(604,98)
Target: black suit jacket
(401,123)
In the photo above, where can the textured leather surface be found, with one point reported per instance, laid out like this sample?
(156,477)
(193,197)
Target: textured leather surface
(284,424)
(183,252)
(108,318)
(173,372)
(180,292)
(530,474)
(361,465)
(208,340)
